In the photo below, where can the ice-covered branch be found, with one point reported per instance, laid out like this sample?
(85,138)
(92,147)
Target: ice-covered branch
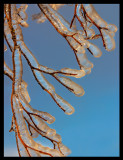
(27,122)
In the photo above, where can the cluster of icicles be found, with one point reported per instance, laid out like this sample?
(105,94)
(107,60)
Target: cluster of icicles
(28,123)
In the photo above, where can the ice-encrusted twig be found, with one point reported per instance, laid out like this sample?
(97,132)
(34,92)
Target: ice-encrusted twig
(29,123)
(23,138)
(75,38)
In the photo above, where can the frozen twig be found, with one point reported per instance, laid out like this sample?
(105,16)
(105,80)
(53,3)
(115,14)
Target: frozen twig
(27,122)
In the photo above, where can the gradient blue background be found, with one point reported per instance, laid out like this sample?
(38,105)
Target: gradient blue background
(93,130)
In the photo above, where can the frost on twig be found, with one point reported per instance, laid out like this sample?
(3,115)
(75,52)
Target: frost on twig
(27,122)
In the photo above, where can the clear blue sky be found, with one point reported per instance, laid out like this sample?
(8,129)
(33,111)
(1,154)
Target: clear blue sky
(93,130)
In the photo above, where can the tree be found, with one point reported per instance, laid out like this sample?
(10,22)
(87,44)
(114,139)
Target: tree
(27,122)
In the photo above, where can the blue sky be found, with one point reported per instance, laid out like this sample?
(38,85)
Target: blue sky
(93,130)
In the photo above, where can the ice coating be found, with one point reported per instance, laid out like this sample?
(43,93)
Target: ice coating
(107,30)
(42,125)
(33,132)
(80,16)
(91,12)
(61,25)
(23,114)
(50,135)
(5,48)
(29,56)
(18,33)
(24,134)
(7,33)
(40,17)
(109,42)
(79,37)
(22,149)
(18,70)
(34,153)
(16,27)
(76,46)
(90,33)
(22,15)
(56,137)
(46,69)
(23,86)
(65,150)
(7,70)
(112,27)
(84,62)
(95,50)
(78,73)
(87,70)
(43,81)
(31,126)
(44,115)
(63,104)
(24,91)
(74,87)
